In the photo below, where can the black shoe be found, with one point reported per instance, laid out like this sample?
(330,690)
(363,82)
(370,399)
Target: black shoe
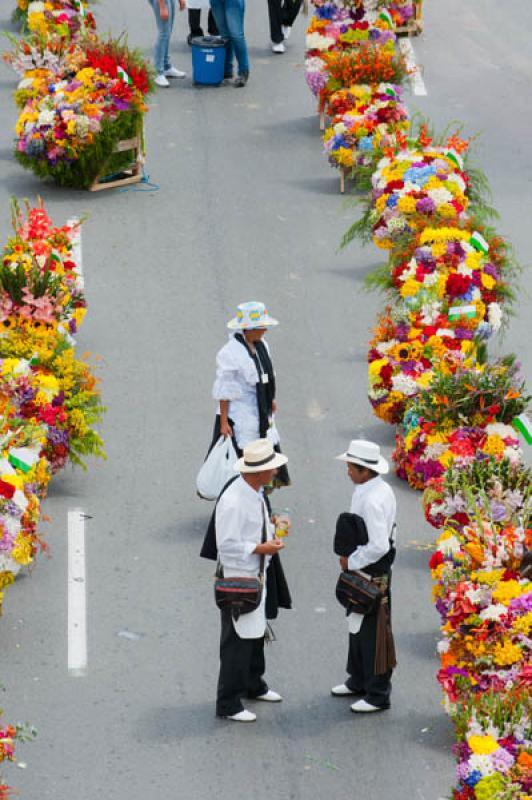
(241,80)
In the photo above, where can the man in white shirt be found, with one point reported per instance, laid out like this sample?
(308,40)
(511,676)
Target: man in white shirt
(244,533)
(374,501)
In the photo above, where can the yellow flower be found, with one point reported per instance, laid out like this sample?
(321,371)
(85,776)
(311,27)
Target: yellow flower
(506,654)
(473,259)
(493,446)
(376,366)
(406,204)
(488,577)
(344,156)
(22,551)
(380,204)
(487,281)
(439,249)
(483,745)
(446,210)
(409,288)
(507,591)
(523,624)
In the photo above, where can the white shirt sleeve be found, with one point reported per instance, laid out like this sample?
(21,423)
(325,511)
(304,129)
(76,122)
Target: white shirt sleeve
(233,550)
(378,537)
(234,369)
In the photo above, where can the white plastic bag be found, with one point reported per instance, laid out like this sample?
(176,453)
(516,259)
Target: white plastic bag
(217,469)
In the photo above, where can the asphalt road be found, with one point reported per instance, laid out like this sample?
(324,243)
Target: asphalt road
(247,208)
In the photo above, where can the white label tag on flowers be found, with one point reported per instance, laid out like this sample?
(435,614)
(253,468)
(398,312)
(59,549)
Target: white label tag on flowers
(265,378)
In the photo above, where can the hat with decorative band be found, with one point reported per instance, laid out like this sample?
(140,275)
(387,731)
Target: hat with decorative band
(365,454)
(259,456)
(251,315)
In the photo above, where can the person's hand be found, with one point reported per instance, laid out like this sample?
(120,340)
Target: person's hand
(182,5)
(225,429)
(274,406)
(343,562)
(269,548)
(163,11)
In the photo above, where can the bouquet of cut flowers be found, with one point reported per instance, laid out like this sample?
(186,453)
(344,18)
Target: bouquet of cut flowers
(10,736)
(403,354)
(462,417)
(69,132)
(365,120)
(65,18)
(38,278)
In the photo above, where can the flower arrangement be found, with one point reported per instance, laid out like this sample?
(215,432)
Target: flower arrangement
(10,736)
(49,399)
(70,130)
(365,120)
(461,417)
(65,18)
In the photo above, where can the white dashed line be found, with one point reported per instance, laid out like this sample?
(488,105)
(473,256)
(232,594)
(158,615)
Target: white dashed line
(416,80)
(77,595)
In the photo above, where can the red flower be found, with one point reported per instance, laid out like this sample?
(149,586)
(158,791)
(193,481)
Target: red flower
(457,285)
(436,559)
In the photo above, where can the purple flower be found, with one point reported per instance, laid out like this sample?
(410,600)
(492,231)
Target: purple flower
(6,542)
(425,206)
(502,760)
(521,604)
(498,511)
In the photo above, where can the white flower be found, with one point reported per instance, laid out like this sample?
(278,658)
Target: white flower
(513,454)
(383,347)
(46,118)
(340,127)
(449,545)
(495,612)
(404,384)
(475,595)
(481,763)
(315,41)
(440,196)
(442,646)
(36,7)
(495,316)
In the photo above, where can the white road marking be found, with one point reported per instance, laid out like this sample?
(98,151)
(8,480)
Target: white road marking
(77,595)
(77,252)
(416,80)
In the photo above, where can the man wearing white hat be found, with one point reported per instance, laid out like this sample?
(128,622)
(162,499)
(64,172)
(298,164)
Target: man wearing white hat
(374,501)
(244,533)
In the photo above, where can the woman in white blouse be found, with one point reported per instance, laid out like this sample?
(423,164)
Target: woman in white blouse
(245,382)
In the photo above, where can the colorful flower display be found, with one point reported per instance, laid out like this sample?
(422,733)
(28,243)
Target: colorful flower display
(47,18)
(10,737)
(365,120)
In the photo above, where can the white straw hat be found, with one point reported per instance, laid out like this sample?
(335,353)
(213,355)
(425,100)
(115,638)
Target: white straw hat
(259,456)
(365,454)
(251,315)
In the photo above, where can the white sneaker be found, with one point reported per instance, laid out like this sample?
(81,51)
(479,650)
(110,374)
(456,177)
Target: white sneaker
(175,73)
(278,48)
(287,30)
(243,716)
(270,697)
(342,691)
(160,80)
(362,707)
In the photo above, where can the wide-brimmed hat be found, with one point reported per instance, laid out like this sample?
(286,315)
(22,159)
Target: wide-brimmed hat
(251,315)
(259,456)
(365,454)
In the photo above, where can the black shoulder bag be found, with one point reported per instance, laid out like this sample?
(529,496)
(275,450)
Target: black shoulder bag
(240,595)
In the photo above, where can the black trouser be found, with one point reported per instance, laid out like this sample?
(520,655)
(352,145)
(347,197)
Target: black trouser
(361,665)
(194,23)
(282,12)
(242,666)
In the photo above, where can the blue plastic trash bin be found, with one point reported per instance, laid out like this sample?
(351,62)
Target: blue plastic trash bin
(208,59)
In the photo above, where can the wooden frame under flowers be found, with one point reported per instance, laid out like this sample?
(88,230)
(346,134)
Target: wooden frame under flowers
(131,174)
(415,26)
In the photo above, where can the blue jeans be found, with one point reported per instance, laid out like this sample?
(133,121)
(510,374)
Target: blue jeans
(164,29)
(229,16)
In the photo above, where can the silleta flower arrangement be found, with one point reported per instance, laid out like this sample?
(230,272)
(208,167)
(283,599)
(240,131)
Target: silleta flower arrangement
(460,418)
(69,128)
(65,18)
(10,737)
(365,120)
(49,399)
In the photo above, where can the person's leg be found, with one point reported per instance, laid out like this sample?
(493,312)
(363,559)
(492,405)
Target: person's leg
(235,659)
(218,8)
(355,667)
(162,36)
(290,11)
(256,683)
(194,22)
(377,687)
(211,24)
(169,27)
(275,15)
(234,13)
